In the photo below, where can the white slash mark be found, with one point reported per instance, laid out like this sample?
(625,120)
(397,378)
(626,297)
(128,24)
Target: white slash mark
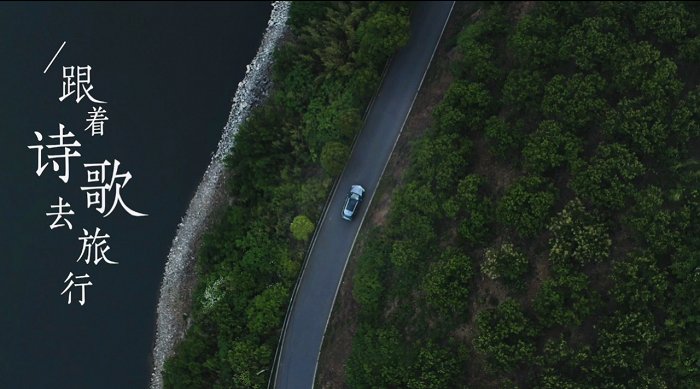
(54,57)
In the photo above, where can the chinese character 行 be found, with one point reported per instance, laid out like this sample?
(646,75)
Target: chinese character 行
(72,284)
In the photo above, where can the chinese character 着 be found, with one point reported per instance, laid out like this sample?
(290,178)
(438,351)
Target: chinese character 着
(60,214)
(66,155)
(96,119)
(96,195)
(72,284)
(77,84)
(95,248)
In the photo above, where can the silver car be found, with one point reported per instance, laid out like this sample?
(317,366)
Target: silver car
(353,201)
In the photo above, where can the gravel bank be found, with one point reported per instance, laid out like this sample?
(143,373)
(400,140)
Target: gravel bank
(178,278)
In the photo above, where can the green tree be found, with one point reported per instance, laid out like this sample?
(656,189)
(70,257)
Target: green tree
(333,157)
(549,147)
(578,238)
(594,43)
(607,180)
(266,311)
(565,300)
(505,263)
(385,31)
(574,101)
(638,282)
(523,90)
(526,205)
(653,224)
(640,124)
(378,359)
(246,359)
(302,227)
(669,21)
(640,69)
(474,227)
(477,54)
(464,107)
(436,367)
(447,284)
(504,336)
(503,140)
(623,345)
(536,41)
(368,284)
(438,160)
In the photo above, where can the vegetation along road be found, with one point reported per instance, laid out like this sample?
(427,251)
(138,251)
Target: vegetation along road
(305,326)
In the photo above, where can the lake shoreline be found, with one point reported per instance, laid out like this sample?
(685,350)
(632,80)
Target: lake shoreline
(179,281)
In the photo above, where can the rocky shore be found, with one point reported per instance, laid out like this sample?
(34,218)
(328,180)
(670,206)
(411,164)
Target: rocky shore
(178,278)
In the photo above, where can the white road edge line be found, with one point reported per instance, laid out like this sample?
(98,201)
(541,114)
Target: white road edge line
(371,197)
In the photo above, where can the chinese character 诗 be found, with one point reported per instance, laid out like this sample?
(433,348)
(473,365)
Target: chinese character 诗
(60,214)
(96,119)
(66,155)
(96,195)
(72,284)
(79,85)
(95,247)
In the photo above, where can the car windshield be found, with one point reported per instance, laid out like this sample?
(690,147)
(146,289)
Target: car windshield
(352,202)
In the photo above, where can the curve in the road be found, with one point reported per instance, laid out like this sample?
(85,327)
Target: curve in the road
(312,304)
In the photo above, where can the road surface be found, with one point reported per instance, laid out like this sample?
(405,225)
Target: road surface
(312,305)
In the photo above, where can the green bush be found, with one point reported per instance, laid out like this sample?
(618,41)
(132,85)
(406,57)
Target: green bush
(526,205)
(523,90)
(302,227)
(505,263)
(462,97)
(504,336)
(594,43)
(565,300)
(447,284)
(504,140)
(638,282)
(333,157)
(550,147)
(475,226)
(577,238)
(669,21)
(574,101)
(607,180)
(378,359)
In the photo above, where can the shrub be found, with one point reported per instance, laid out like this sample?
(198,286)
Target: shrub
(503,140)
(505,263)
(577,238)
(575,101)
(333,157)
(447,284)
(526,205)
(607,180)
(302,227)
(504,336)
(565,300)
(550,147)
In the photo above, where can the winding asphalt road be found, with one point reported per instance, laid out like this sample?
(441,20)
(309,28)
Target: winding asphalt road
(306,323)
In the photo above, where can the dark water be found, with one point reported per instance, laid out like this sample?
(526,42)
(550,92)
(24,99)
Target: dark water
(168,73)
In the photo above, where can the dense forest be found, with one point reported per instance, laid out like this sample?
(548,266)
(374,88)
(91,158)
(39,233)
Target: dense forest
(280,172)
(547,231)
